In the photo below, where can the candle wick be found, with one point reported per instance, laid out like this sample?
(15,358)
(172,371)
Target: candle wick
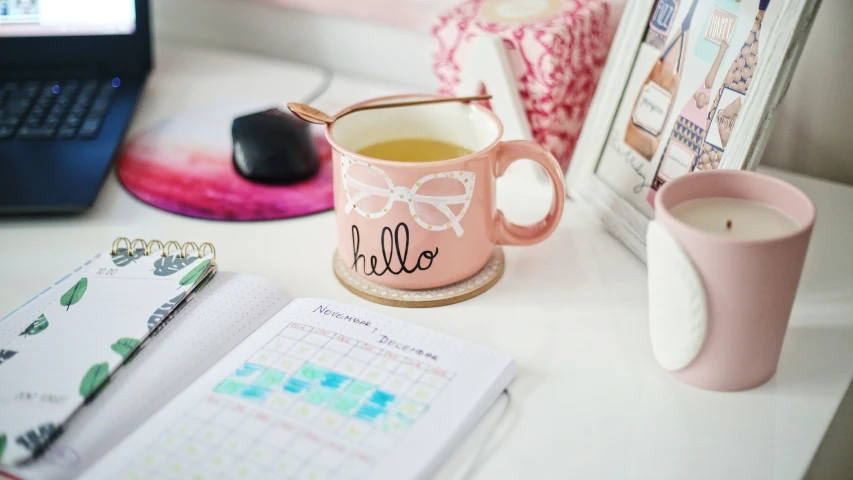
(728,224)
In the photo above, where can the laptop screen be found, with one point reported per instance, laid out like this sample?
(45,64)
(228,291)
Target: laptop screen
(41,18)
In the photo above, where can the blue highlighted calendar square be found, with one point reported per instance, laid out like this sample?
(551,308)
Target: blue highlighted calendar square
(319,395)
(229,387)
(255,393)
(345,404)
(369,412)
(270,378)
(249,370)
(295,386)
(360,388)
(381,398)
(310,373)
(334,380)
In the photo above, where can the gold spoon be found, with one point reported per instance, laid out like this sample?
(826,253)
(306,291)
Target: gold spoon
(311,114)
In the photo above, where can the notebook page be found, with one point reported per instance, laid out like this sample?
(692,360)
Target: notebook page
(216,319)
(322,390)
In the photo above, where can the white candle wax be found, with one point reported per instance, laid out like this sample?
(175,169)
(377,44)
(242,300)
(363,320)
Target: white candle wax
(742,219)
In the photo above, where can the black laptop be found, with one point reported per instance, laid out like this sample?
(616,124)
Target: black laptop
(70,77)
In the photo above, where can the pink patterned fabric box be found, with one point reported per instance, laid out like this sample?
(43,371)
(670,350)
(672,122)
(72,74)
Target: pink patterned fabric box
(557,49)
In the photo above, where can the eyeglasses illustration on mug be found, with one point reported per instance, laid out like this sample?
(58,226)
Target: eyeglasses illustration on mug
(431,208)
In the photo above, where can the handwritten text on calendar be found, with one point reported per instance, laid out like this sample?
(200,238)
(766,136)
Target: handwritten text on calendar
(383,339)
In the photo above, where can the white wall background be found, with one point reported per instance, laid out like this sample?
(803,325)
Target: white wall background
(811,135)
(813,132)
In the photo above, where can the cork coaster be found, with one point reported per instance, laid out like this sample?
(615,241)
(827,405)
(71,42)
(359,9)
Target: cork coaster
(431,297)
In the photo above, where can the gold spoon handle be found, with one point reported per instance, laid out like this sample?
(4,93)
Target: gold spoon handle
(311,114)
(412,103)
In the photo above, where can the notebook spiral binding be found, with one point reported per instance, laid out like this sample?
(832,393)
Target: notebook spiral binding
(164,248)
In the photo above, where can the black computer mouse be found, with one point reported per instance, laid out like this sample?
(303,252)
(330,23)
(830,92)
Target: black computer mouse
(273,147)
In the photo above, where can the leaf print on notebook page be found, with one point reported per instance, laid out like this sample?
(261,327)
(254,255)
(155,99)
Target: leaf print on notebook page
(35,438)
(94,378)
(38,326)
(165,266)
(5,355)
(124,346)
(74,294)
(194,274)
(122,259)
(164,310)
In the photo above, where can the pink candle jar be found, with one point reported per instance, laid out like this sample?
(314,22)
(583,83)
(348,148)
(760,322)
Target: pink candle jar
(725,254)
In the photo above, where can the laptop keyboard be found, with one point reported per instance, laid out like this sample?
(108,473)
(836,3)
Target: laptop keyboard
(37,110)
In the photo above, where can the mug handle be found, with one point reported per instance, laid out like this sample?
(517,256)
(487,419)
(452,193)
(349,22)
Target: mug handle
(507,233)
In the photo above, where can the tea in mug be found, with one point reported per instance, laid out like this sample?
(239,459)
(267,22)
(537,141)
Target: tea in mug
(414,150)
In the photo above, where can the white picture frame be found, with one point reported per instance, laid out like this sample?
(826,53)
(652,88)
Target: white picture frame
(777,61)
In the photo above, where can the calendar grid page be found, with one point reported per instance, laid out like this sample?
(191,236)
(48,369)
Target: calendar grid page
(321,391)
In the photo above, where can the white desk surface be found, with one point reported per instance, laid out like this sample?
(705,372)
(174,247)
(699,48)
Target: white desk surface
(589,401)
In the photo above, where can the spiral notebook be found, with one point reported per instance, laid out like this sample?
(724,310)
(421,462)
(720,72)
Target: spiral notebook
(239,380)
(61,347)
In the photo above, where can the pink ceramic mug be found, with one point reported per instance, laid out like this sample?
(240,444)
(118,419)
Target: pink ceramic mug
(428,224)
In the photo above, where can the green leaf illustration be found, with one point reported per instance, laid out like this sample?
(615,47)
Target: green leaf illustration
(194,274)
(6,355)
(124,346)
(165,266)
(74,294)
(2,445)
(93,379)
(32,440)
(122,259)
(37,326)
(164,310)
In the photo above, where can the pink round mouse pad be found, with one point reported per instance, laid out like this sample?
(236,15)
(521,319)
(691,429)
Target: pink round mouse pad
(184,166)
